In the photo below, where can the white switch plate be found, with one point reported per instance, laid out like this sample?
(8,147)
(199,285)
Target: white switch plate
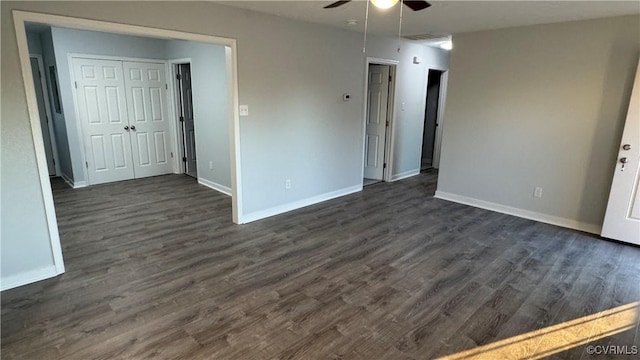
(287,184)
(537,192)
(244,110)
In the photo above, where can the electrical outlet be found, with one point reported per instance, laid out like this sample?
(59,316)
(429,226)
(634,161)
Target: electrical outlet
(244,110)
(537,192)
(210,165)
(287,184)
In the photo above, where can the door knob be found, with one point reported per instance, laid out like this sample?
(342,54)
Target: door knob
(626,147)
(624,160)
(133,127)
(126,127)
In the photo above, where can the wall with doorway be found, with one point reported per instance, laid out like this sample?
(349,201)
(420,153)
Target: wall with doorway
(210,92)
(539,106)
(68,41)
(210,107)
(409,98)
(292,75)
(36,48)
(59,124)
(431,116)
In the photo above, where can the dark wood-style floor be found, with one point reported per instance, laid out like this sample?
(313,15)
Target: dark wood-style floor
(156,269)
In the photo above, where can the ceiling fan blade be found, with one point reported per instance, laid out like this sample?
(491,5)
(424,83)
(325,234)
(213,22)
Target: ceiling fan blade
(416,5)
(336,4)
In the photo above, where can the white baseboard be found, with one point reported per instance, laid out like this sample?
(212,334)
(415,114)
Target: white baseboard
(74,185)
(66,179)
(276,210)
(215,186)
(527,214)
(28,277)
(405,174)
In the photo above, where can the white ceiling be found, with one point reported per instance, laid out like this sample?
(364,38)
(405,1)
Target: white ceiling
(443,17)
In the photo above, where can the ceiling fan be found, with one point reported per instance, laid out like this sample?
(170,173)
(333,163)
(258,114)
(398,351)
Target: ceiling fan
(415,5)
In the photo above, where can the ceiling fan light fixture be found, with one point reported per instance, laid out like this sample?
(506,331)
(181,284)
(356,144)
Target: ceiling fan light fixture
(384,4)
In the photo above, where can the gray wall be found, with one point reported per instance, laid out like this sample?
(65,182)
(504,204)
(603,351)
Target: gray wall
(59,125)
(24,236)
(68,41)
(291,74)
(210,106)
(34,43)
(539,106)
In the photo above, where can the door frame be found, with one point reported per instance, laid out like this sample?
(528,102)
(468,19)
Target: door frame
(47,108)
(20,18)
(442,98)
(173,93)
(80,129)
(391,115)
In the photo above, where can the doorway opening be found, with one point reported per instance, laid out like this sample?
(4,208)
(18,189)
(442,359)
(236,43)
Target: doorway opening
(430,157)
(46,120)
(380,91)
(184,106)
(63,104)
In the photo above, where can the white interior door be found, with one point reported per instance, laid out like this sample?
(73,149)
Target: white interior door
(103,114)
(148,118)
(622,219)
(377,102)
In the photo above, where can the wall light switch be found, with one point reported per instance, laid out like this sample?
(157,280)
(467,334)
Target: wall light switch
(244,110)
(537,192)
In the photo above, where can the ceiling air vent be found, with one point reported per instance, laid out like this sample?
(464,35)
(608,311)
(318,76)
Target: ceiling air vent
(422,37)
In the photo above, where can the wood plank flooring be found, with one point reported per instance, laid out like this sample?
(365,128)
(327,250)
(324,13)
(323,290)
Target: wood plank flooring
(156,269)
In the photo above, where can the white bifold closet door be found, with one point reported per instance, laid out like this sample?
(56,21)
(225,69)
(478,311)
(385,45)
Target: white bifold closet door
(123,113)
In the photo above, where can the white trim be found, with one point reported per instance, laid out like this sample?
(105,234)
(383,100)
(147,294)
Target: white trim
(381,61)
(79,127)
(47,109)
(74,185)
(389,140)
(262,214)
(215,186)
(437,141)
(405,174)
(38,144)
(28,277)
(21,17)
(527,214)
(67,179)
(442,100)
(231,60)
(173,89)
(391,114)
(115,58)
